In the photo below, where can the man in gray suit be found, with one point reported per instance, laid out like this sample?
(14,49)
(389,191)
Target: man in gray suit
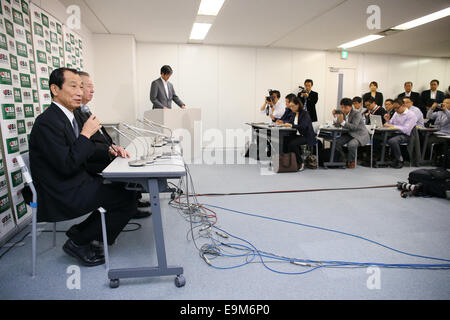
(357,134)
(162,92)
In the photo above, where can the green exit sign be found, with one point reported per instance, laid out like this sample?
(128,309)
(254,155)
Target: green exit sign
(344,55)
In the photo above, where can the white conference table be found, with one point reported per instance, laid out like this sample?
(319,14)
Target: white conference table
(153,179)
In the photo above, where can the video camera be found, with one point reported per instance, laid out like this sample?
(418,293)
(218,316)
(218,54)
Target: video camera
(302,89)
(269,99)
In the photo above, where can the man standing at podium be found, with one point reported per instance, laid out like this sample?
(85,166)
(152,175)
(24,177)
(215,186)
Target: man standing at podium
(162,92)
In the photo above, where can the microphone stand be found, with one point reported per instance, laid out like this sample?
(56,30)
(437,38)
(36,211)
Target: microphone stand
(151,123)
(148,158)
(133,163)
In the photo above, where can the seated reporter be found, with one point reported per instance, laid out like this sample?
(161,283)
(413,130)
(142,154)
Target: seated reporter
(59,153)
(405,121)
(301,121)
(373,109)
(288,112)
(357,134)
(440,114)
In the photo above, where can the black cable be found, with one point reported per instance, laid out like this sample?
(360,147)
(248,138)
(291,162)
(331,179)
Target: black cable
(14,244)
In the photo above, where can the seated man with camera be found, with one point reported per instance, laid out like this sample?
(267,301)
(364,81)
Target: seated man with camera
(273,106)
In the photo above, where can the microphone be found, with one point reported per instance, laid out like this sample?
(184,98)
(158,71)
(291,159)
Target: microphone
(85,109)
(133,163)
(158,125)
(149,158)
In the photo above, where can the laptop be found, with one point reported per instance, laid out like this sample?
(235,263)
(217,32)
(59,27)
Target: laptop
(375,120)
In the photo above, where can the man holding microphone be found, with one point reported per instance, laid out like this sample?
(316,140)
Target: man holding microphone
(59,152)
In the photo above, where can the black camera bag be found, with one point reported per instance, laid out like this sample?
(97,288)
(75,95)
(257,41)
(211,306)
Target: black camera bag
(435,182)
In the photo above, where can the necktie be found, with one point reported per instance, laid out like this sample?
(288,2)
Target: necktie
(75,128)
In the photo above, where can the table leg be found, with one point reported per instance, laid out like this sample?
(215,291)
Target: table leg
(162,269)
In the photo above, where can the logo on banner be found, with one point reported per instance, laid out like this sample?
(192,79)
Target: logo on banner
(12,129)
(21,129)
(16,177)
(29,111)
(4,205)
(56,62)
(8,112)
(5,77)
(7,95)
(3,185)
(38,30)
(9,28)
(25,80)
(18,17)
(21,210)
(23,65)
(32,67)
(12,145)
(44,20)
(22,49)
(13,61)
(4,59)
(25,7)
(41,56)
(35,96)
(44,84)
(27,96)
(17,95)
(3,42)
(29,37)
(48,47)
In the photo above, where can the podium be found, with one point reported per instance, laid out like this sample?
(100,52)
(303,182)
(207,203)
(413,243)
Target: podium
(185,125)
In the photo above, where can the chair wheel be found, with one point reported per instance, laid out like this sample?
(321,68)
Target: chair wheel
(180,281)
(114,283)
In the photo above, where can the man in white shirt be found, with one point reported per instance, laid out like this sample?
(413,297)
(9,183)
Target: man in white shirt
(276,106)
(417,112)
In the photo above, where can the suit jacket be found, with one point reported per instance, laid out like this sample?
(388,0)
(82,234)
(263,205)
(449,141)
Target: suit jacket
(310,104)
(102,142)
(159,97)
(58,167)
(357,128)
(426,95)
(304,126)
(415,97)
(378,98)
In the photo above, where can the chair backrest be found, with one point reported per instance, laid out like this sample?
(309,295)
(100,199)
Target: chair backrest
(24,164)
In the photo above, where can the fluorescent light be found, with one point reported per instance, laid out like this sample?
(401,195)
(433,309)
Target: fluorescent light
(199,31)
(426,19)
(210,7)
(361,41)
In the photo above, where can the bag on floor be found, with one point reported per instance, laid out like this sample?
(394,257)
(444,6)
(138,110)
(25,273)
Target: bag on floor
(286,162)
(434,182)
(311,162)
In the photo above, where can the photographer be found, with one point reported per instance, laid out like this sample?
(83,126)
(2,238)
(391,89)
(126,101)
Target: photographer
(309,99)
(440,113)
(273,106)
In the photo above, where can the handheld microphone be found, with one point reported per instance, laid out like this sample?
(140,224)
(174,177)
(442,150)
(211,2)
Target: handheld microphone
(133,163)
(85,109)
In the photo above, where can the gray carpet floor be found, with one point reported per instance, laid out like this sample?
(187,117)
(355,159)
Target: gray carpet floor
(414,225)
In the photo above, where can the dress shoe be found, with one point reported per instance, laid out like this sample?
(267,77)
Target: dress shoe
(97,247)
(397,165)
(142,214)
(301,167)
(351,164)
(84,254)
(143,204)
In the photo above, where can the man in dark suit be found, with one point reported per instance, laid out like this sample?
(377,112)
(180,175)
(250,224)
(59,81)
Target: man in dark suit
(373,109)
(162,92)
(415,96)
(309,99)
(433,93)
(103,141)
(59,152)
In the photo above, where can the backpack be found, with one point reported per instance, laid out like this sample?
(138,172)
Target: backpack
(433,182)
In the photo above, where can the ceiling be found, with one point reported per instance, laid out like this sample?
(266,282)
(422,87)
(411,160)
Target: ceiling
(300,24)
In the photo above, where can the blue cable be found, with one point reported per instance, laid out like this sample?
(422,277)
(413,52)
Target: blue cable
(326,229)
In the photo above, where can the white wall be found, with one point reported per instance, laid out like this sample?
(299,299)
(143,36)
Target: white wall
(229,83)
